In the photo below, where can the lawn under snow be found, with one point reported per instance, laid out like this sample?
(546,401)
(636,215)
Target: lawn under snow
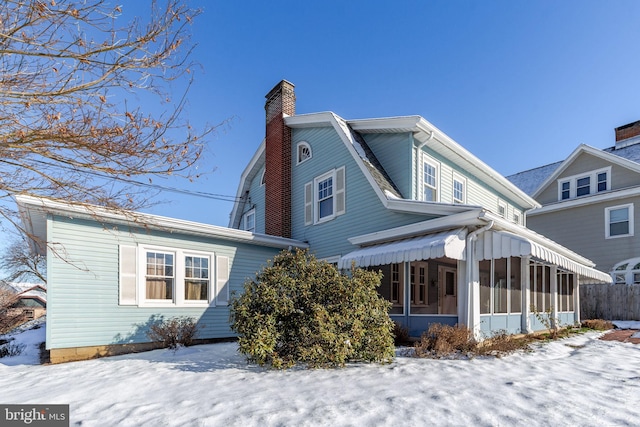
(577,381)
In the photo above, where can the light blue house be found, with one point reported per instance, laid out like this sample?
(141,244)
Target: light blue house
(110,275)
(398,195)
(392,194)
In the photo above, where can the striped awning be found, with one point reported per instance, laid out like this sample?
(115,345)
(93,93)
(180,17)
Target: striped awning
(501,244)
(448,244)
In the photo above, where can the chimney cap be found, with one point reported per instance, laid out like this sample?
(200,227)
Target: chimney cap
(283,83)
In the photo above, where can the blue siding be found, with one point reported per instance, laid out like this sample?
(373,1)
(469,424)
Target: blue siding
(490,324)
(365,212)
(83,290)
(256,201)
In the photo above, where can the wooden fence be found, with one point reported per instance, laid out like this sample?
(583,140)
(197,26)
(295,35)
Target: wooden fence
(610,302)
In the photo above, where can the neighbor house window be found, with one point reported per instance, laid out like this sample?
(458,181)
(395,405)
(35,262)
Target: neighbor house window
(565,190)
(249,221)
(619,221)
(304,152)
(324,198)
(160,275)
(430,181)
(459,189)
(263,179)
(584,184)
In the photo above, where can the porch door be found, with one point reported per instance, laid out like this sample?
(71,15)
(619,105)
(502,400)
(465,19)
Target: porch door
(448,283)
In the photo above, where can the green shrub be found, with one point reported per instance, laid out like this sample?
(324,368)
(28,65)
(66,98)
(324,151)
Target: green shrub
(174,332)
(301,310)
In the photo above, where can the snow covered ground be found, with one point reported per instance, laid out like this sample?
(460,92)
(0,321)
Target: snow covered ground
(580,381)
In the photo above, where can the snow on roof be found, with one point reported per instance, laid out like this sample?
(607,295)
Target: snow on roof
(529,181)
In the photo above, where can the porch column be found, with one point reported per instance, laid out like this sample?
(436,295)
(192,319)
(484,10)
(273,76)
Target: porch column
(525,274)
(463,294)
(407,292)
(576,298)
(554,296)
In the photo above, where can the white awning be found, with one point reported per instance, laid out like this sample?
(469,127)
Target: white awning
(449,244)
(501,244)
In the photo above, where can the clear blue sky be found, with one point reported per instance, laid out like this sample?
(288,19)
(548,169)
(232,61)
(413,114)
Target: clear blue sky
(518,83)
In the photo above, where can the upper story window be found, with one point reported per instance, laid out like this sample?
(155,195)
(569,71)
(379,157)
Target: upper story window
(502,208)
(459,189)
(430,180)
(304,152)
(584,184)
(517,217)
(249,221)
(263,179)
(324,198)
(618,221)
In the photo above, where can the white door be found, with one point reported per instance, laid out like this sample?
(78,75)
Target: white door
(448,283)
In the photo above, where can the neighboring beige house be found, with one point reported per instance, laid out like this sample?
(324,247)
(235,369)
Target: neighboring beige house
(32,298)
(588,203)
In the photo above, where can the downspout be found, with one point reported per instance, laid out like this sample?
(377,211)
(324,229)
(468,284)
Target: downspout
(471,295)
(418,157)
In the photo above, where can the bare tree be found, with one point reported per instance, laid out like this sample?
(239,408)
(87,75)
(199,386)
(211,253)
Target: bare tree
(19,263)
(73,78)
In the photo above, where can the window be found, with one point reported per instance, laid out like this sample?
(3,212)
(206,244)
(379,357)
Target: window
(159,278)
(304,152)
(430,181)
(602,181)
(502,208)
(324,198)
(167,277)
(196,282)
(459,189)
(516,216)
(565,192)
(619,221)
(249,221)
(263,179)
(584,184)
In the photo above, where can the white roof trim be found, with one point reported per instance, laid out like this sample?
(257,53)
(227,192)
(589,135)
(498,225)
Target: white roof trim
(244,184)
(502,244)
(34,210)
(583,148)
(450,244)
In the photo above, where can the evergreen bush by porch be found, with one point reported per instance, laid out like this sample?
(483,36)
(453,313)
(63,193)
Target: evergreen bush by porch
(301,310)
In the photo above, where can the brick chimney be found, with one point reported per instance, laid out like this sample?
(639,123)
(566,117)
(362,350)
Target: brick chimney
(281,101)
(628,134)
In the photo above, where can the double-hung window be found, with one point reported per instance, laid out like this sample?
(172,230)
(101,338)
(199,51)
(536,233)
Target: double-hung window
(160,276)
(619,221)
(155,276)
(430,181)
(196,278)
(324,197)
(583,186)
(459,189)
(249,221)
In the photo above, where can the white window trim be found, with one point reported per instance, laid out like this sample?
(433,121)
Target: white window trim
(435,164)
(179,278)
(607,230)
(593,183)
(517,213)
(503,204)
(262,177)
(246,216)
(300,146)
(463,180)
